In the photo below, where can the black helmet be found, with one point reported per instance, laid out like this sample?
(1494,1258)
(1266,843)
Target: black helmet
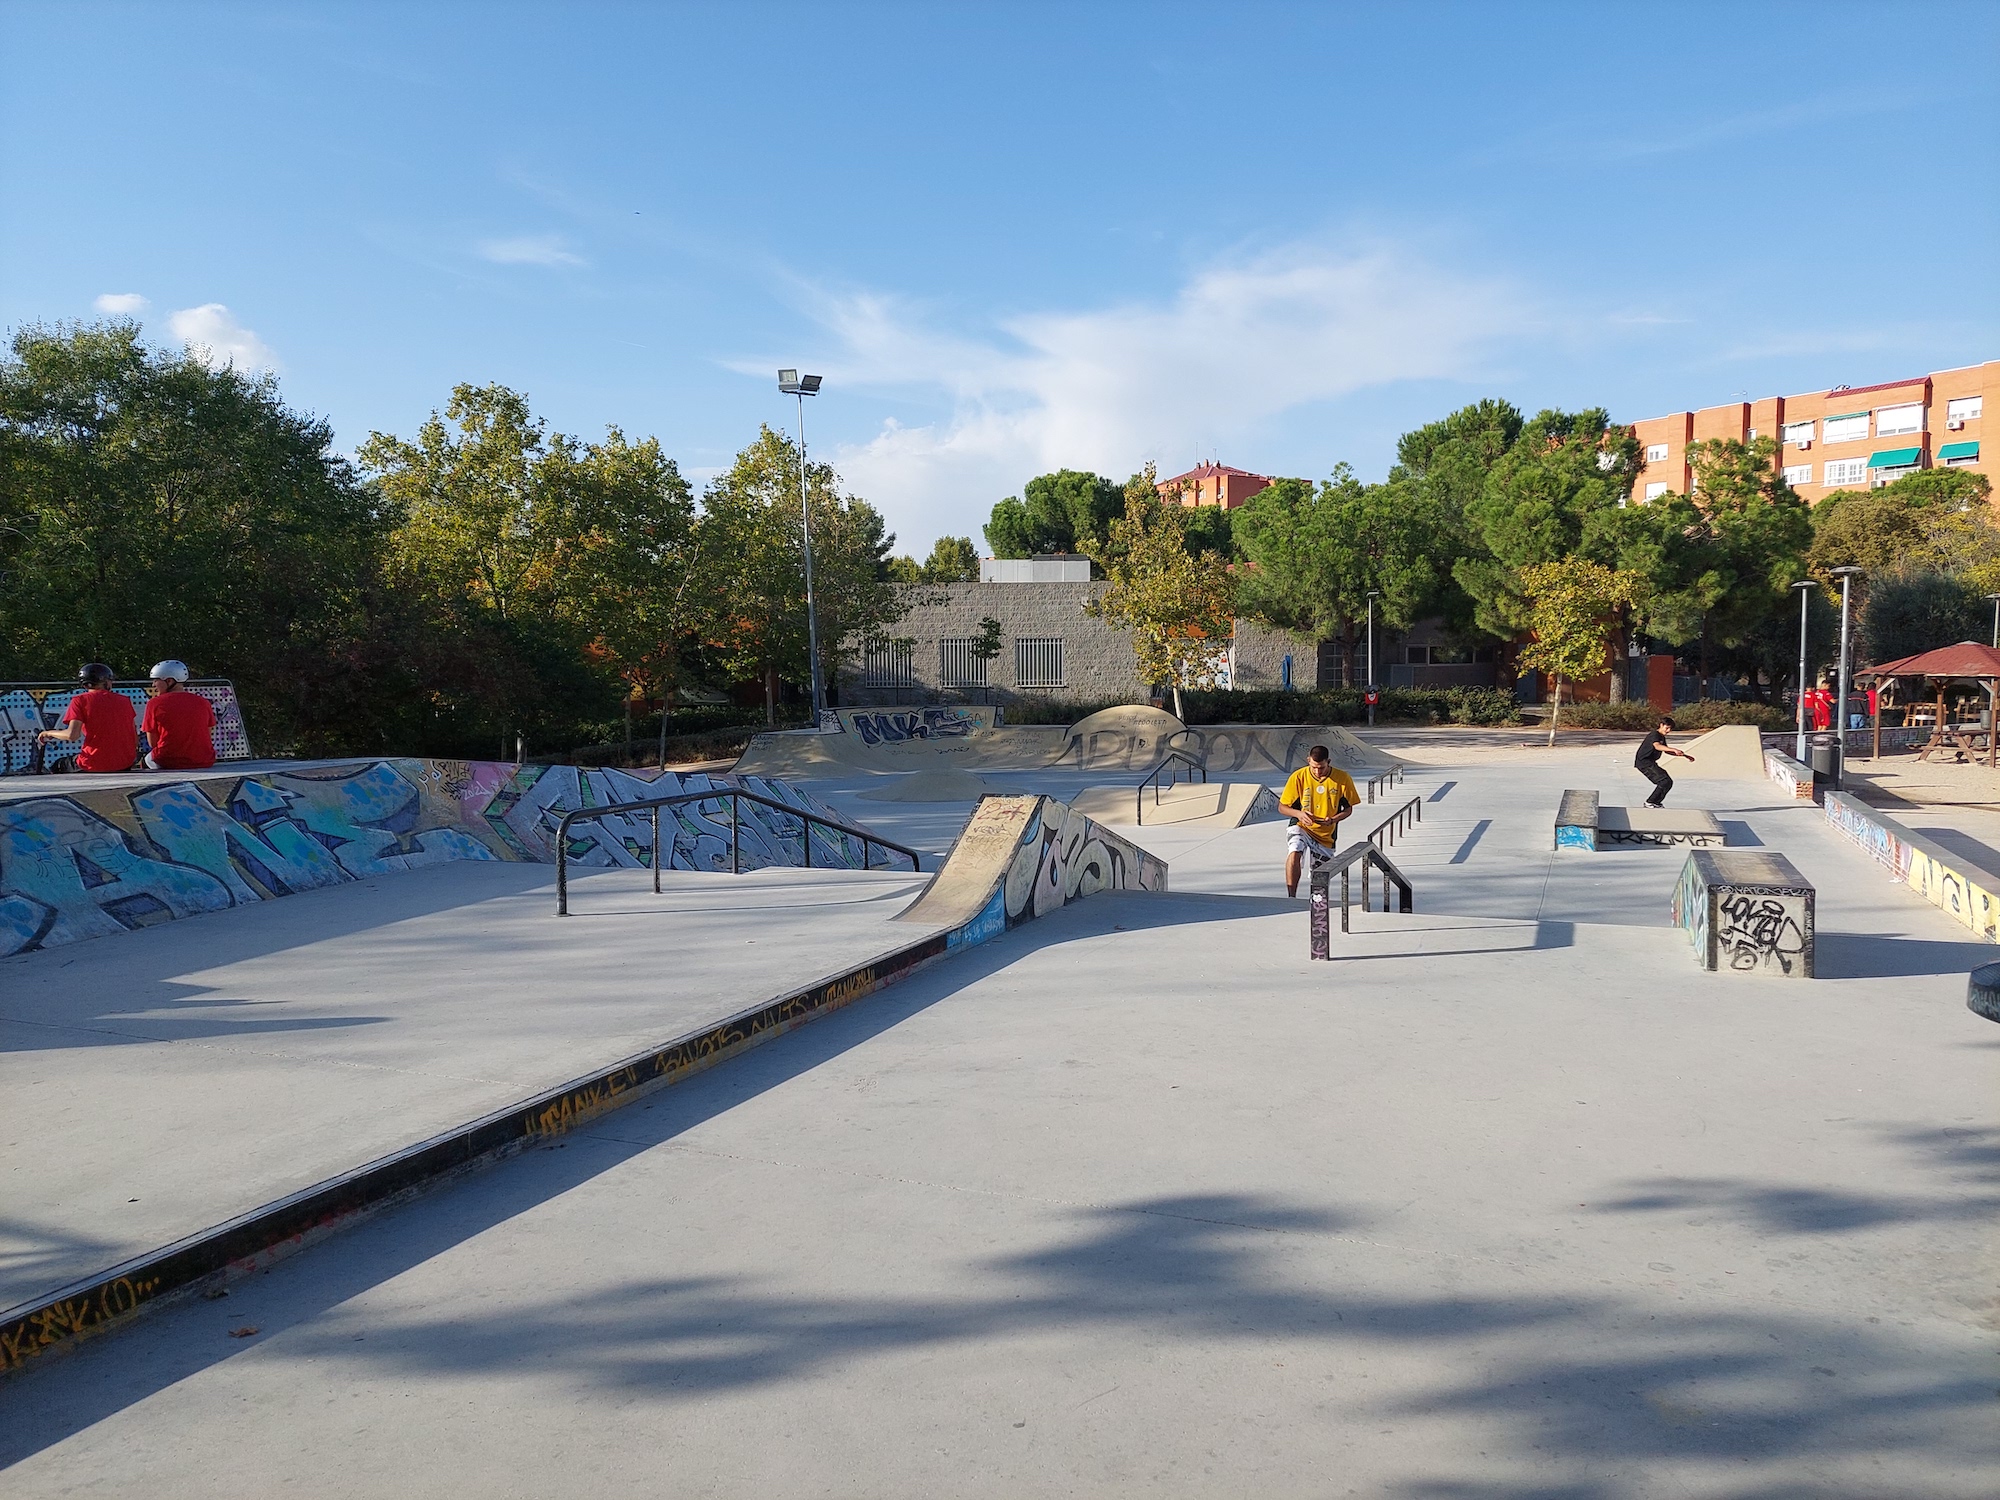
(92,674)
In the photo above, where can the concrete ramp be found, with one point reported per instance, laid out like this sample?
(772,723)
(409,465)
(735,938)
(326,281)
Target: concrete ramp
(1735,752)
(1024,857)
(1217,804)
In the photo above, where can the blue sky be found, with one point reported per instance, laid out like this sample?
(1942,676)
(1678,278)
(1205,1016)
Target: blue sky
(1014,237)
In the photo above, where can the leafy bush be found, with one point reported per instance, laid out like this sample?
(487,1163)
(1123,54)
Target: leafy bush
(1453,705)
(1710,713)
(1713,713)
(1629,715)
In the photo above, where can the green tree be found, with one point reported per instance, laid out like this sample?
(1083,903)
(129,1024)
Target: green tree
(1937,520)
(1536,505)
(753,533)
(1570,605)
(903,570)
(152,506)
(1061,512)
(953,559)
(1920,609)
(1313,556)
(1177,605)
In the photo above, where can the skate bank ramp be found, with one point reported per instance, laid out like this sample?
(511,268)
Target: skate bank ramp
(87,863)
(1115,741)
(1024,857)
(1735,752)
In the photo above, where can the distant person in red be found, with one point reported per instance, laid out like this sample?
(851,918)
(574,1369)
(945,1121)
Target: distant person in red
(102,719)
(179,725)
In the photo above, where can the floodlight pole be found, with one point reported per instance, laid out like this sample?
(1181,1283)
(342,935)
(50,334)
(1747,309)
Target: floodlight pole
(1805,597)
(1996,620)
(1846,576)
(790,383)
(1370,695)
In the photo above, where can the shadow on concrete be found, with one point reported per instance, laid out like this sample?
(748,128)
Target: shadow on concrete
(1876,955)
(1968,1161)
(1736,834)
(1583,1382)
(1965,846)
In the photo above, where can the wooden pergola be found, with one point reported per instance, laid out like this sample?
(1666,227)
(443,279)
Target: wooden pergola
(1968,661)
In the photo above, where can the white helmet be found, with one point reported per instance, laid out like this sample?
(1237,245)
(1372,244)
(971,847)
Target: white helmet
(177,670)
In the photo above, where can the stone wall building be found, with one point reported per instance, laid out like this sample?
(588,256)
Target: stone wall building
(1048,648)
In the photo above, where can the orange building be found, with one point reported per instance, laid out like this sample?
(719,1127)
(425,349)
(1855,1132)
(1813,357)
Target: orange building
(1848,438)
(1214,484)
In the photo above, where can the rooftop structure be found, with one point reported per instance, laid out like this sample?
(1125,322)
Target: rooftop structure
(1214,484)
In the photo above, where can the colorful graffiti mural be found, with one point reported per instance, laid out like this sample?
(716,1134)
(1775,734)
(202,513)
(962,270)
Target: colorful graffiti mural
(88,864)
(27,708)
(1962,890)
(889,726)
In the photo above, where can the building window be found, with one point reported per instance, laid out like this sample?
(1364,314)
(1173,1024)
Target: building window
(1798,432)
(1448,656)
(1964,409)
(1038,662)
(1850,428)
(889,664)
(1845,471)
(1656,489)
(1799,474)
(958,667)
(1656,453)
(1892,421)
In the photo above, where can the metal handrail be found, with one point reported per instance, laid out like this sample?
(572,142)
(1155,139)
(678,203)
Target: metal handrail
(1410,812)
(1152,777)
(1365,854)
(734,796)
(1384,779)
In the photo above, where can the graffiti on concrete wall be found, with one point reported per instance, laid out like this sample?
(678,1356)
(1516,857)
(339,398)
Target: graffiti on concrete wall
(89,864)
(1955,885)
(1691,909)
(893,726)
(1762,929)
(1876,837)
(27,708)
(1059,856)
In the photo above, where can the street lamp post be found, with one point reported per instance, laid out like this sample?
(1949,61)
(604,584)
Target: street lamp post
(1846,576)
(1805,588)
(1373,594)
(1996,619)
(794,384)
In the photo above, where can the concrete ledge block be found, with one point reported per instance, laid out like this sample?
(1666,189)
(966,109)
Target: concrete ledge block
(1747,910)
(1982,992)
(1576,820)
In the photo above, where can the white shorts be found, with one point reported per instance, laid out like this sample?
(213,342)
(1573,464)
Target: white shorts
(1298,843)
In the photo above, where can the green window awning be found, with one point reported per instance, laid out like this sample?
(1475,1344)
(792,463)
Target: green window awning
(1895,458)
(1847,416)
(1957,450)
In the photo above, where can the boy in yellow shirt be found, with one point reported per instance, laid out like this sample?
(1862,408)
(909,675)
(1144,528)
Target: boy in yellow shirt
(1318,798)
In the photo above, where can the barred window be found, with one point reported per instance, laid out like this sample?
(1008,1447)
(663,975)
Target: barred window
(1038,662)
(958,667)
(888,664)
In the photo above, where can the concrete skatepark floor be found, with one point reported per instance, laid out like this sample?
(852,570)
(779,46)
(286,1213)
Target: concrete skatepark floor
(1510,1200)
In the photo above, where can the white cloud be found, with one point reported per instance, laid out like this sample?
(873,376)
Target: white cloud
(1240,344)
(212,334)
(530,250)
(122,304)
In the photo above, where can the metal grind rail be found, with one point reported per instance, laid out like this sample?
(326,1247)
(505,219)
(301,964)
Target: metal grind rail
(1365,855)
(734,797)
(1153,780)
(1383,780)
(1397,822)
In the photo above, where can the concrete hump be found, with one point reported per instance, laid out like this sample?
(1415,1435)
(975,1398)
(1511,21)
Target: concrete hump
(1734,752)
(1024,857)
(1214,804)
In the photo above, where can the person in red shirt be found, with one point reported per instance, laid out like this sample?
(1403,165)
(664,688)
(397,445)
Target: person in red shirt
(103,720)
(179,725)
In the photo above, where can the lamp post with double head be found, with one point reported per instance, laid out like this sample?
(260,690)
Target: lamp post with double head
(792,383)
(1846,575)
(1373,595)
(1805,588)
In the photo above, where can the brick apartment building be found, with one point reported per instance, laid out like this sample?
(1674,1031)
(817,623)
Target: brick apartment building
(1214,484)
(1848,438)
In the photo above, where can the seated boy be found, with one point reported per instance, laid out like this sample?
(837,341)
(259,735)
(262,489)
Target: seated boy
(179,725)
(103,720)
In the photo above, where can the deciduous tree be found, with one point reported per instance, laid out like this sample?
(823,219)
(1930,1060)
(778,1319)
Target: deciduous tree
(1570,607)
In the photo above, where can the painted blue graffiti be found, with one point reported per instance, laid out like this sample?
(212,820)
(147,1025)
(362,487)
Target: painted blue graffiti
(923,724)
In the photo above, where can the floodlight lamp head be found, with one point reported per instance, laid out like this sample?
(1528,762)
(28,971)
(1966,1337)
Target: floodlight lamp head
(787,379)
(794,384)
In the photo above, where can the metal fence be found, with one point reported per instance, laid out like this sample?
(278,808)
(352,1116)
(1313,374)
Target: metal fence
(1038,662)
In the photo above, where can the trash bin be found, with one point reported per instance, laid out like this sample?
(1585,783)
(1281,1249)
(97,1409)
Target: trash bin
(1825,753)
